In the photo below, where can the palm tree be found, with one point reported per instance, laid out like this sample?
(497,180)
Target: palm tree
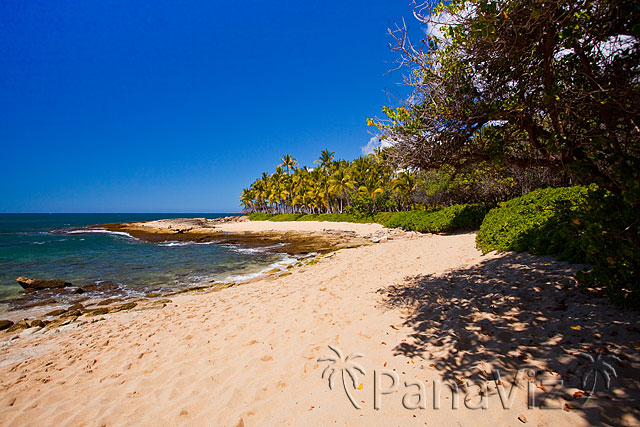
(288,162)
(247,198)
(403,185)
(325,159)
(339,183)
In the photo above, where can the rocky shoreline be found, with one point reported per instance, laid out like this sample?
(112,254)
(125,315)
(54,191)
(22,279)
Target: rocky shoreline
(203,230)
(50,303)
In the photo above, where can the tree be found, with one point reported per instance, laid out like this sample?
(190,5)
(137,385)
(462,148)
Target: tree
(288,162)
(326,157)
(524,83)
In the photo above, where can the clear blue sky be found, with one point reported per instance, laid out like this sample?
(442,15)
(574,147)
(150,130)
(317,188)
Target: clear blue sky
(175,106)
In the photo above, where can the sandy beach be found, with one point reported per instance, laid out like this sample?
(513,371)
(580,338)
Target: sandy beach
(428,313)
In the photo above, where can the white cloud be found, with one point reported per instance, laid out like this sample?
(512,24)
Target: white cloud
(373,144)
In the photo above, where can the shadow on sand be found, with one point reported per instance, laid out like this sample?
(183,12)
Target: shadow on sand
(515,311)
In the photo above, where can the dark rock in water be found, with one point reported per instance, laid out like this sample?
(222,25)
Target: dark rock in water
(5,324)
(37,324)
(28,283)
(78,291)
(99,287)
(57,312)
(29,303)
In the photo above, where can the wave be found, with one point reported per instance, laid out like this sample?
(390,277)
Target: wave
(258,250)
(279,265)
(100,231)
(177,243)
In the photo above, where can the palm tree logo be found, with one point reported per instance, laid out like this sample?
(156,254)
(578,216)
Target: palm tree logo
(592,367)
(347,366)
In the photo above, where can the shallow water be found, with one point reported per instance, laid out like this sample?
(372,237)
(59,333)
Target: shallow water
(49,246)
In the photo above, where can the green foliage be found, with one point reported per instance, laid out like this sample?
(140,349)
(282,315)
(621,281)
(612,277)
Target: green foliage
(452,218)
(579,224)
(337,217)
(532,223)
(285,217)
(259,216)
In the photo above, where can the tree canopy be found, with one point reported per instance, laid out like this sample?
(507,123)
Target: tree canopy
(523,83)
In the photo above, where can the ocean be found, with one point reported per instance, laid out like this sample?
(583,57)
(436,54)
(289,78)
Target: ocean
(54,246)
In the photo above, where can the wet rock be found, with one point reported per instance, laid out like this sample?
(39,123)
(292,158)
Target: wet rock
(28,283)
(57,312)
(99,287)
(37,303)
(5,324)
(98,311)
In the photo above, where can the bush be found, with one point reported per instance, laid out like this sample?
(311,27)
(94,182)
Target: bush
(452,218)
(578,224)
(337,217)
(259,216)
(538,222)
(285,217)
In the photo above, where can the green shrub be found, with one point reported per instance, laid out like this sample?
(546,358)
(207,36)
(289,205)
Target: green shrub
(538,222)
(337,217)
(452,218)
(285,217)
(259,216)
(579,224)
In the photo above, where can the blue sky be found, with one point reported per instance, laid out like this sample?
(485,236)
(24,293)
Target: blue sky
(175,106)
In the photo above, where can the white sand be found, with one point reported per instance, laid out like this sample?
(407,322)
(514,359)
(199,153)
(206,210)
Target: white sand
(248,355)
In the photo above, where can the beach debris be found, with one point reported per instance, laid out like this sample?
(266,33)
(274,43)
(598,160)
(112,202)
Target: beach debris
(522,418)
(28,283)
(5,324)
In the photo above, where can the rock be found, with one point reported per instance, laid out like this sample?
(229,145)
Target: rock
(77,306)
(57,312)
(17,326)
(98,311)
(126,306)
(28,283)
(5,324)
(100,287)
(71,313)
(109,301)
(37,324)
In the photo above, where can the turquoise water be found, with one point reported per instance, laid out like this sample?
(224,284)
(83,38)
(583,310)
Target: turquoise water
(33,245)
